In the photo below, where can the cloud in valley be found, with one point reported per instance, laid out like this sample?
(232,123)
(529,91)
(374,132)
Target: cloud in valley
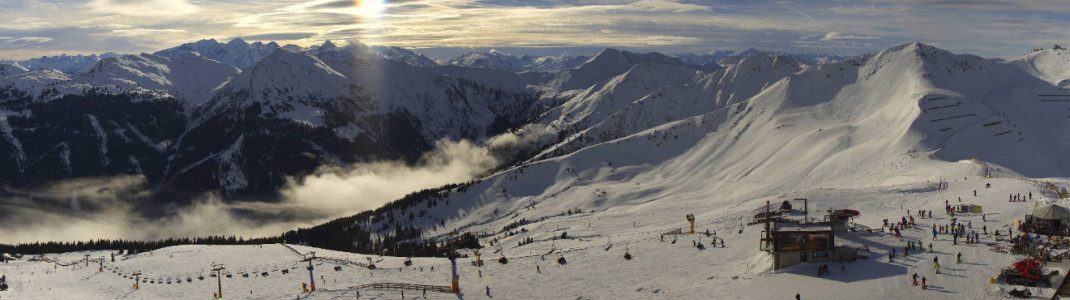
(106,207)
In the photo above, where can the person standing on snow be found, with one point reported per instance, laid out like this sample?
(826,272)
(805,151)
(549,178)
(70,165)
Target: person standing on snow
(924,284)
(915,280)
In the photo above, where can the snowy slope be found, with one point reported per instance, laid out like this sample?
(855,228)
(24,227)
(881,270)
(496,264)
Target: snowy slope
(525,63)
(235,53)
(11,70)
(604,65)
(70,64)
(193,79)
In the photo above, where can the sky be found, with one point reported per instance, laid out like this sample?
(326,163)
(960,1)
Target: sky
(990,28)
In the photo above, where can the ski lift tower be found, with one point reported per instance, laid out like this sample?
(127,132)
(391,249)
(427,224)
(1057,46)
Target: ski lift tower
(218,268)
(691,219)
(311,278)
(806,209)
(137,278)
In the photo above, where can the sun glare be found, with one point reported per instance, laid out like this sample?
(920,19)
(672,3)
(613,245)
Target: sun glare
(370,8)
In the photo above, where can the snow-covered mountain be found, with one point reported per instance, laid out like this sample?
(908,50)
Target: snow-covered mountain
(605,65)
(494,59)
(70,64)
(340,106)
(11,70)
(235,53)
(241,54)
(244,132)
(193,79)
(718,56)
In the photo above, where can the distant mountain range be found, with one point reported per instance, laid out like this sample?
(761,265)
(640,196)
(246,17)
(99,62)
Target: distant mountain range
(240,118)
(241,54)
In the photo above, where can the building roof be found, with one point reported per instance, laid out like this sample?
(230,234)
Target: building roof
(1052,212)
(815,227)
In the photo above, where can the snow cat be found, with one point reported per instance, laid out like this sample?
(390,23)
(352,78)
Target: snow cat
(1027,272)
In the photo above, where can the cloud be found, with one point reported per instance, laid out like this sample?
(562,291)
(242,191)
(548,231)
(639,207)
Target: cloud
(990,28)
(872,10)
(115,207)
(281,36)
(832,36)
(143,32)
(363,186)
(143,7)
(24,41)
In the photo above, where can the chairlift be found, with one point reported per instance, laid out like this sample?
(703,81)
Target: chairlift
(245,275)
(230,275)
(200,277)
(284,271)
(265,274)
(189,279)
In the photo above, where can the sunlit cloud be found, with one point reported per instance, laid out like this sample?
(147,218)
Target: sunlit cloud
(991,28)
(831,36)
(143,7)
(28,41)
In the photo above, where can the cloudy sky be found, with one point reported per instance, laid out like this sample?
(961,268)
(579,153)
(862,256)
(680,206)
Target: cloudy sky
(991,28)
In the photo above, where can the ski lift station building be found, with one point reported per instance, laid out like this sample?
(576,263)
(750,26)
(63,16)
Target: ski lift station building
(795,243)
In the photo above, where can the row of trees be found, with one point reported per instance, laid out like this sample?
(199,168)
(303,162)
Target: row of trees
(369,232)
(127,245)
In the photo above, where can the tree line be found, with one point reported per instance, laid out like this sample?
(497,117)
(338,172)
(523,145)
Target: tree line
(370,232)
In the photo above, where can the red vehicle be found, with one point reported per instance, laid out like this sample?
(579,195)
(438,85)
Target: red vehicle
(1028,272)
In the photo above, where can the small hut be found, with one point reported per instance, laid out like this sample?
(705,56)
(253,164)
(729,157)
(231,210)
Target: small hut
(1051,218)
(968,208)
(839,219)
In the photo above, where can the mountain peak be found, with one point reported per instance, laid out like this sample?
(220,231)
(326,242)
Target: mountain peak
(237,42)
(328,46)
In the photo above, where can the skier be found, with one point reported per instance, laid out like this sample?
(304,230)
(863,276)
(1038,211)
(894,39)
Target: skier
(930,247)
(934,232)
(930,214)
(798,297)
(915,280)
(488,291)
(959,258)
(538,270)
(924,284)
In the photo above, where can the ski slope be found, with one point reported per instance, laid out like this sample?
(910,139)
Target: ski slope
(659,269)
